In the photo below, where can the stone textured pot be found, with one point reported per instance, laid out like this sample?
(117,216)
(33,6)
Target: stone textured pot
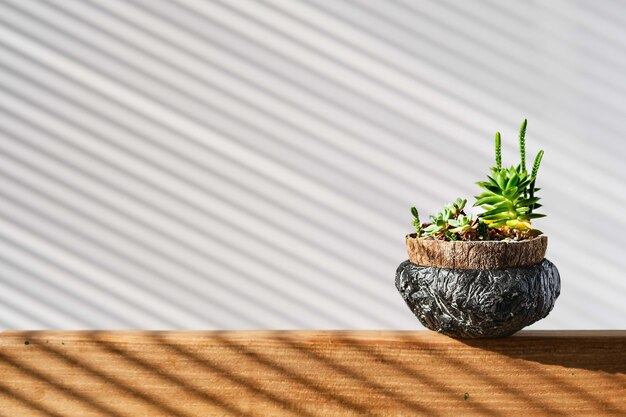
(478,289)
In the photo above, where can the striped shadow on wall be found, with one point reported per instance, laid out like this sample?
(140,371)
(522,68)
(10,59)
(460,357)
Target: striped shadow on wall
(250,163)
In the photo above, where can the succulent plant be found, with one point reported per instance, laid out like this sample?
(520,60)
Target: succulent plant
(450,223)
(451,236)
(508,200)
(482,230)
(509,194)
(462,223)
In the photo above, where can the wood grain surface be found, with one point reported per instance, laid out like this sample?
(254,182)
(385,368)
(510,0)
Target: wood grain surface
(310,373)
(476,254)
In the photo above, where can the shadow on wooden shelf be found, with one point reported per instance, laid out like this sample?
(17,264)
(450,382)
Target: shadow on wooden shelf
(309,373)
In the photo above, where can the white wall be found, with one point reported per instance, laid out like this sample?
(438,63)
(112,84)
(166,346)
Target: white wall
(250,164)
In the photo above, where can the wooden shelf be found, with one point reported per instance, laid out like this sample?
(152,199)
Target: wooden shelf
(310,373)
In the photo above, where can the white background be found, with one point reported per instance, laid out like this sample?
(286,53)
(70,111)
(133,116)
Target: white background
(250,164)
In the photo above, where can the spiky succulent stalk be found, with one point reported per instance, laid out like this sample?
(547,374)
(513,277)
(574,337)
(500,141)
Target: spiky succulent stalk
(522,145)
(416,221)
(536,164)
(534,177)
(498,151)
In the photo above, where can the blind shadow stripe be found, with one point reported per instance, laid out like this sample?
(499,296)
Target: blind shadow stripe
(284,121)
(47,283)
(178,133)
(242,272)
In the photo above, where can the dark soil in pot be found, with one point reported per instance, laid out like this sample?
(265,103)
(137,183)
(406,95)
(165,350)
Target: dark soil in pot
(478,302)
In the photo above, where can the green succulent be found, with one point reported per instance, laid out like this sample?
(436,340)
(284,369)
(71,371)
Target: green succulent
(450,220)
(509,194)
(483,230)
(461,223)
(456,207)
(416,221)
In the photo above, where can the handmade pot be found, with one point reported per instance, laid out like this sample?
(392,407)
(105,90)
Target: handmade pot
(475,289)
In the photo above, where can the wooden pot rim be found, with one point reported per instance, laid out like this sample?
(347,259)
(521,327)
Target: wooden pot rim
(491,254)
